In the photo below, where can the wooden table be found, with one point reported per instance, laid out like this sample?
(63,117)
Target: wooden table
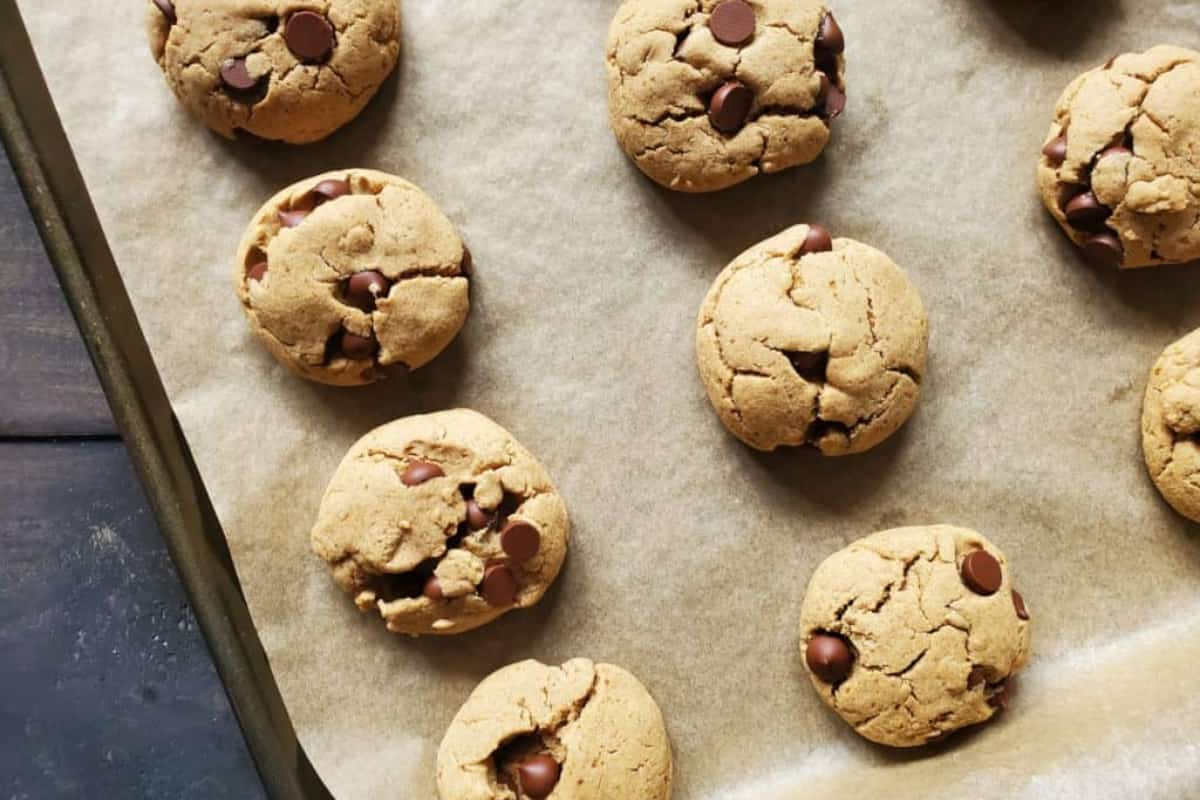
(106,686)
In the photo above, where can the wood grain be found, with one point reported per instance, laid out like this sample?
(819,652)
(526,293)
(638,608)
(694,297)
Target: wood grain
(47,384)
(106,688)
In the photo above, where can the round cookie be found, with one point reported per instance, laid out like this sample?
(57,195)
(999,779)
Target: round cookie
(913,633)
(351,271)
(807,340)
(291,71)
(704,94)
(1122,160)
(574,732)
(441,522)
(1171,425)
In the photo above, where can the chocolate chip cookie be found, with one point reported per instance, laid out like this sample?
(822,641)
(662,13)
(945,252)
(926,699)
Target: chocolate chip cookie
(1171,425)
(704,94)
(291,71)
(1121,163)
(913,633)
(441,523)
(531,731)
(350,272)
(809,340)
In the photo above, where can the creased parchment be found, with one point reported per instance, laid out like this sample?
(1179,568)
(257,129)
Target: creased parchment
(690,553)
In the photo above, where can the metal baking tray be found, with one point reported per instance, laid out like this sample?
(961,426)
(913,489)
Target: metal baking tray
(69,228)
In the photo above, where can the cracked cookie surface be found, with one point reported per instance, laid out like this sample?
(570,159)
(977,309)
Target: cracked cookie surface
(671,70)
(808,340)
(441,523)
(350,272)
(597,731)
(1120,170)
(1171,425)
(912,633)
(286,70)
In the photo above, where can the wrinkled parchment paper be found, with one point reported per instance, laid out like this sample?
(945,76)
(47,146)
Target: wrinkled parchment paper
(690,552)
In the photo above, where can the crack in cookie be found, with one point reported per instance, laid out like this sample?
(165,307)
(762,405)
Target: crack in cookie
(441,523)
(804,341)
(704,95)
(292,72)
(913,633)
(579,730)
(1121,164)
(348,273)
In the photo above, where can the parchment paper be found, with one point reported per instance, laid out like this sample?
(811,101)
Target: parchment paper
(691,553)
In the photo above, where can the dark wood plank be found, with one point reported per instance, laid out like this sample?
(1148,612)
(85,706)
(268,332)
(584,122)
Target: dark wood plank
(47,384)
(106,687)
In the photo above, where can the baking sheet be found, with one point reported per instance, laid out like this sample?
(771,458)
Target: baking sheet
(690,553)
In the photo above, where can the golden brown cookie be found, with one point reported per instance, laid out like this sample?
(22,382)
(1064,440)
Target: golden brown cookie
(808,340)
(1121,164)
(582,731)
(292,71)
(441,523)
(1171,425)
(913,633)
(704,94)
(350,272)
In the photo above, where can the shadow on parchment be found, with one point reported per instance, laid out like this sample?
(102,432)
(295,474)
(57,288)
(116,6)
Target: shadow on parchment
(734,219)
(434,387)
(1161,295)
(1056,28)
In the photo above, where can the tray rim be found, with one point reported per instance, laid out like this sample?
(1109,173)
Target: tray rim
(70,230)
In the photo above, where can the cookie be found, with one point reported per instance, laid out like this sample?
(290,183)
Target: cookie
(574,732)
(441,523)
(349,272)
(291,71)
(807,340)
(705,94)
(913,633)
(1171,425)
(1122,160)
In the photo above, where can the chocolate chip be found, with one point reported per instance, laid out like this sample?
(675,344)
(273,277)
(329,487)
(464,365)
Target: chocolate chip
(829,657)
(835,102)
(420,471)
(538,775)
(433,589)
(167,8)
(1086,211)
(236,75)
(981,572)
(499,587)
(829,43)
(257,271)
(520,540)
(465,265)
(290,219)
(978,675)
(1104,250)
(309,36)
(477,518)
(817,240)
(730,106)
(363,289)
(358,348)
(330,190)
(1056,151)
(1019,605)
(810,366)
(732,23)
(1115,151)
